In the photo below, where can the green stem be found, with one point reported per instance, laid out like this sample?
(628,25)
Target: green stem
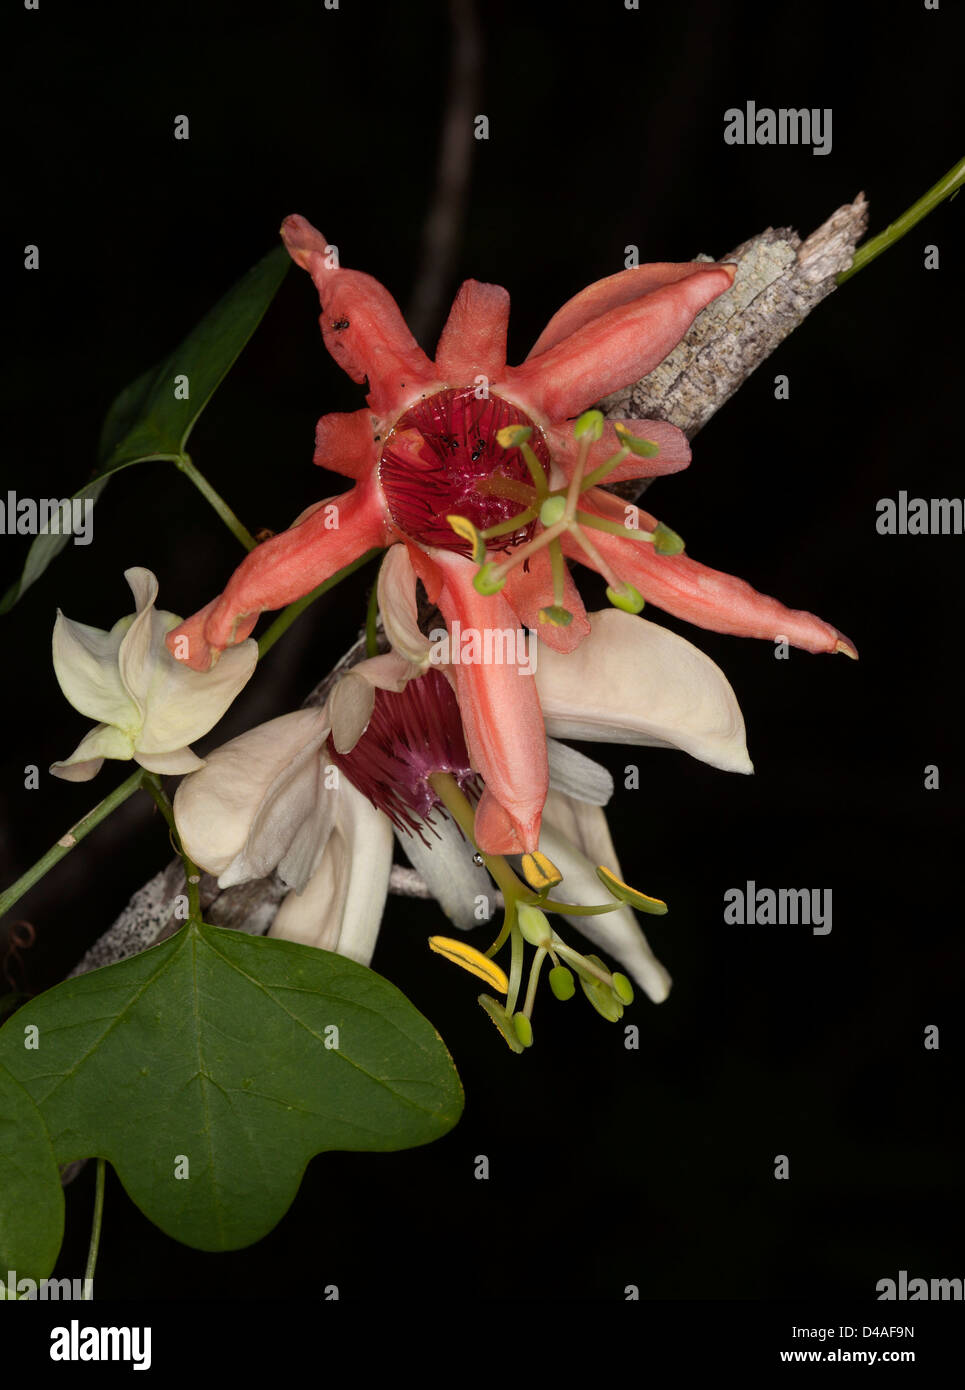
(614,528)
(294,610)
(944,188)
(577,909)
(580,964)
(457,804)
(518,948)
(534,970)
(372,623)
(240,532)
(95,1230)
(154,785)
(67,841)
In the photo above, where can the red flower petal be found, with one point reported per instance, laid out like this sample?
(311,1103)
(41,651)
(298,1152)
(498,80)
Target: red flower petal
(500,708)
(529,587)
(604,295)
(674,452)
(617,348)
(361,323)
(346,443)
(286,568)
(703,596)
(473,341)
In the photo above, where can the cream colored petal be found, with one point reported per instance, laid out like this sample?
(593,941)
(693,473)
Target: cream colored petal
(462,888)
(585,825)
(215,809)
(85,663)
(353,698)
(397,605)
(341,908)
(632,681)
(618,933)
(183,705)
(577,775)
(174,764)
(88,757)
(138,648)
(304,854)
(351,704)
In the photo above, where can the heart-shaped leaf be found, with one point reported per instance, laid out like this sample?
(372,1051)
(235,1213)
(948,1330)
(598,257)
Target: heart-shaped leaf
(211,1068)
(31,1197)
(150,419)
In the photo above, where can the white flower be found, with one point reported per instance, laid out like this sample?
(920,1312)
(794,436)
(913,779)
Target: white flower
(150,706)
(272,799)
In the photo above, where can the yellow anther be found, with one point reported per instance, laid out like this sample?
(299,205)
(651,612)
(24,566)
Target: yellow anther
(470,959)
(556,615)
(539,872)
(512,436)
(625,894)
(465,530)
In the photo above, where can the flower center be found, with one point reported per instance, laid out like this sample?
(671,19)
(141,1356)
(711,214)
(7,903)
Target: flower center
(410,736)
(442,457)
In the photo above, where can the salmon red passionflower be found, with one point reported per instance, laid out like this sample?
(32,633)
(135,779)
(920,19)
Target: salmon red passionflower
(427,447)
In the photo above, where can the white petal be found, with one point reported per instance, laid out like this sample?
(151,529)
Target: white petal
(183,705)
(585,826)
(617,933)
(136,656)
(341,908)
(174,764)
(447,867)
(88,757)
(216,808)
(143,585)
(305,852)
(631,681)
(85,662)
(397,605)
(353,698)
(577,775)
(351,704)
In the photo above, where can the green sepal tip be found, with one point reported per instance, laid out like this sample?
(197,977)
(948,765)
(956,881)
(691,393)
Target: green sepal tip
(643,448)
(485,582)
(665,541)
(556,615)
(524,1029)
(561,982)
(590,423)
(629,599)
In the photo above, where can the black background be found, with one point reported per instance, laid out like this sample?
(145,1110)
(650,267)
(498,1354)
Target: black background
(608,1167)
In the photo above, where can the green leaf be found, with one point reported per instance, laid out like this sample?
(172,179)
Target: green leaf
(211,1048)
(44,549)
(31,1197)
(146,421)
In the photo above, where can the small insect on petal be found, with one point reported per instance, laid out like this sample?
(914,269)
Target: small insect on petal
(470,959)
